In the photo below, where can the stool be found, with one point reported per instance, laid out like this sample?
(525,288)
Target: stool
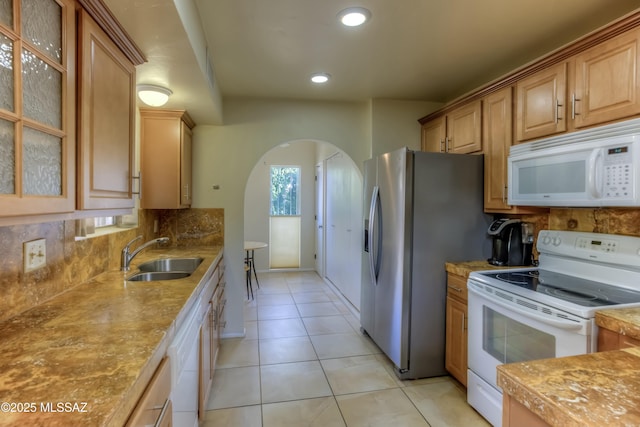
(247,270)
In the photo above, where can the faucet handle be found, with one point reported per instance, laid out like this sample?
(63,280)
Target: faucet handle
(132,241)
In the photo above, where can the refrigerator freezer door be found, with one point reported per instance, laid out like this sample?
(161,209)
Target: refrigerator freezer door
(367,295)
(392,292)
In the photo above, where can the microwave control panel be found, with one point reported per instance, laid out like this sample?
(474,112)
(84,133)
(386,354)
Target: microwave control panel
(618,172)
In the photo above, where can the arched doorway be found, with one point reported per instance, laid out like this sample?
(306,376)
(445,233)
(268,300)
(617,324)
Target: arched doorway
(330,211)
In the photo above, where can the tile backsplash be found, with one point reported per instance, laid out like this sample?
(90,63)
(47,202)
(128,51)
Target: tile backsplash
(70,262)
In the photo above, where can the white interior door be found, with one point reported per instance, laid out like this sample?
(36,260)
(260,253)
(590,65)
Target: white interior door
(320,202)
(343,234)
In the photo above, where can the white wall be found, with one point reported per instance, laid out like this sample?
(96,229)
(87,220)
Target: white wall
(225,156)
(395,124)
(257,197)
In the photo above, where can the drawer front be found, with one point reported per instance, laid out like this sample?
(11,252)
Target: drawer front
(457,287)
(154,403)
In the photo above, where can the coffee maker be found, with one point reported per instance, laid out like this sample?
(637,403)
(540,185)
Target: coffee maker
(512,242)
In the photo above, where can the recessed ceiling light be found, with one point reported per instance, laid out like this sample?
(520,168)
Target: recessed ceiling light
(320,78)
(354,16)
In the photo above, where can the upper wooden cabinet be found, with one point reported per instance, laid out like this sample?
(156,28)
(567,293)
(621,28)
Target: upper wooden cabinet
(460,131)
(165,163)
(497,136)
(106,118)
(37,108)
(540,103)
(598,85)
(606,83)
(64,150)
(434,133)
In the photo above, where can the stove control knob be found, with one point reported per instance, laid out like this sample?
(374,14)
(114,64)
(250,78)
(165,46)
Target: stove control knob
(546,239)
(557,241)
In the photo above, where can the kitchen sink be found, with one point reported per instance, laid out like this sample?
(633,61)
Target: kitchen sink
(187,265)
(151,276)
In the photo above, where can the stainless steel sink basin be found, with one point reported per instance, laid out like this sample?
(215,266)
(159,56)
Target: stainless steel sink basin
(187,265)
(151,276)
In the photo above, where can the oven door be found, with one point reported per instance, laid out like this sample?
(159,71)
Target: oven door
(506,328)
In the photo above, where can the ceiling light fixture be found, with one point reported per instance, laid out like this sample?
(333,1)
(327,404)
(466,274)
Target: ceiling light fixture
(320,78)
(155,96)
(354,16)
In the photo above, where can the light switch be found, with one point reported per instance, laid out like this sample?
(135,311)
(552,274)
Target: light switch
(35,254)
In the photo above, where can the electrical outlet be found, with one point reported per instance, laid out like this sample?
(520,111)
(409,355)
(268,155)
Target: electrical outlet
(35,254)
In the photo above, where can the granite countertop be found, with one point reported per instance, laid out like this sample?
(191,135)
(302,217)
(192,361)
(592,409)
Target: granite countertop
(86,356)
(625,321)
(463,268)
(594,389)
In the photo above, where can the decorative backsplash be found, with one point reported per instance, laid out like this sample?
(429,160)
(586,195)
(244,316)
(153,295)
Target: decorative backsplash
(623,221)
(71,262)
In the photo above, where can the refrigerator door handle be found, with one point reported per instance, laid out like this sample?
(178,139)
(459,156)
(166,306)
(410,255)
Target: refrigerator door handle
(374,249)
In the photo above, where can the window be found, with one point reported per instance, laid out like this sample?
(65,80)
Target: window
(105,221)
(285,182)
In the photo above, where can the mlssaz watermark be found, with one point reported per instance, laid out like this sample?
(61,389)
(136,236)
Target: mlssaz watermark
(80,407)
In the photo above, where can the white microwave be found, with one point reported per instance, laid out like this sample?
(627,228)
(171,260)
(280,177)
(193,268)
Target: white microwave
(594,167)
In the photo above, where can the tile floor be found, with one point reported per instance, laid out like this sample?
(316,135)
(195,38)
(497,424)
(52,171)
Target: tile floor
(303,362)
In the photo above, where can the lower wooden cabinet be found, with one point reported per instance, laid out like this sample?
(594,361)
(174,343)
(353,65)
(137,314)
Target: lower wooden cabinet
(609,340)
(154,407)
(515,414)
(456,328)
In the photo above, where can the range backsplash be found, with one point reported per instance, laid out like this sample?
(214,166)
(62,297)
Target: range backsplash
(71,262)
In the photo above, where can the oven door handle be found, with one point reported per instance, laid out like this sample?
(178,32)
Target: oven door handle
(566,325)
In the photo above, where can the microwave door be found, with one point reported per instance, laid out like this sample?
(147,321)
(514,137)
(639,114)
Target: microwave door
(554,180)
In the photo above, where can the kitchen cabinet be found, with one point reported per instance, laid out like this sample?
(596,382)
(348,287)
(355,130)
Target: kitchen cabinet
(459,131)
(210,332)
(456,327)
(154,407)
(106,117)
(37,108)
(497,137)
(434,133)
(595,86)
(610,340)
(515,414)
(607,81)
(540,103)
(165,150)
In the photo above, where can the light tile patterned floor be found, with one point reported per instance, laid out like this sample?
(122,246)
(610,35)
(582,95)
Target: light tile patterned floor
(303,362)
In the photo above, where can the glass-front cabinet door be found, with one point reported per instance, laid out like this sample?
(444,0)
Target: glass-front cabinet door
(37,107)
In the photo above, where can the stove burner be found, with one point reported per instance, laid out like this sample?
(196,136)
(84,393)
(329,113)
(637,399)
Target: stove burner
(524,278)
(570,295)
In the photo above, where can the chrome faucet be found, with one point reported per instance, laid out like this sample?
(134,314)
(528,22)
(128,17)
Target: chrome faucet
(128,256)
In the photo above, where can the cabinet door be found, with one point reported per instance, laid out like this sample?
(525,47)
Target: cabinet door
(607,81)
(434,134)
(185,164)
(464,129)
(106,120)
(497,136)
(37,107)
(165,158)
(456,340)
(541,103)
(205,373)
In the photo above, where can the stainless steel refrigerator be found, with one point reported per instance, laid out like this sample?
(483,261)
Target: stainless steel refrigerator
(420,211)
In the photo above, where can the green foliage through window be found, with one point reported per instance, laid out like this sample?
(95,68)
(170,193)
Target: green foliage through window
(285,182)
